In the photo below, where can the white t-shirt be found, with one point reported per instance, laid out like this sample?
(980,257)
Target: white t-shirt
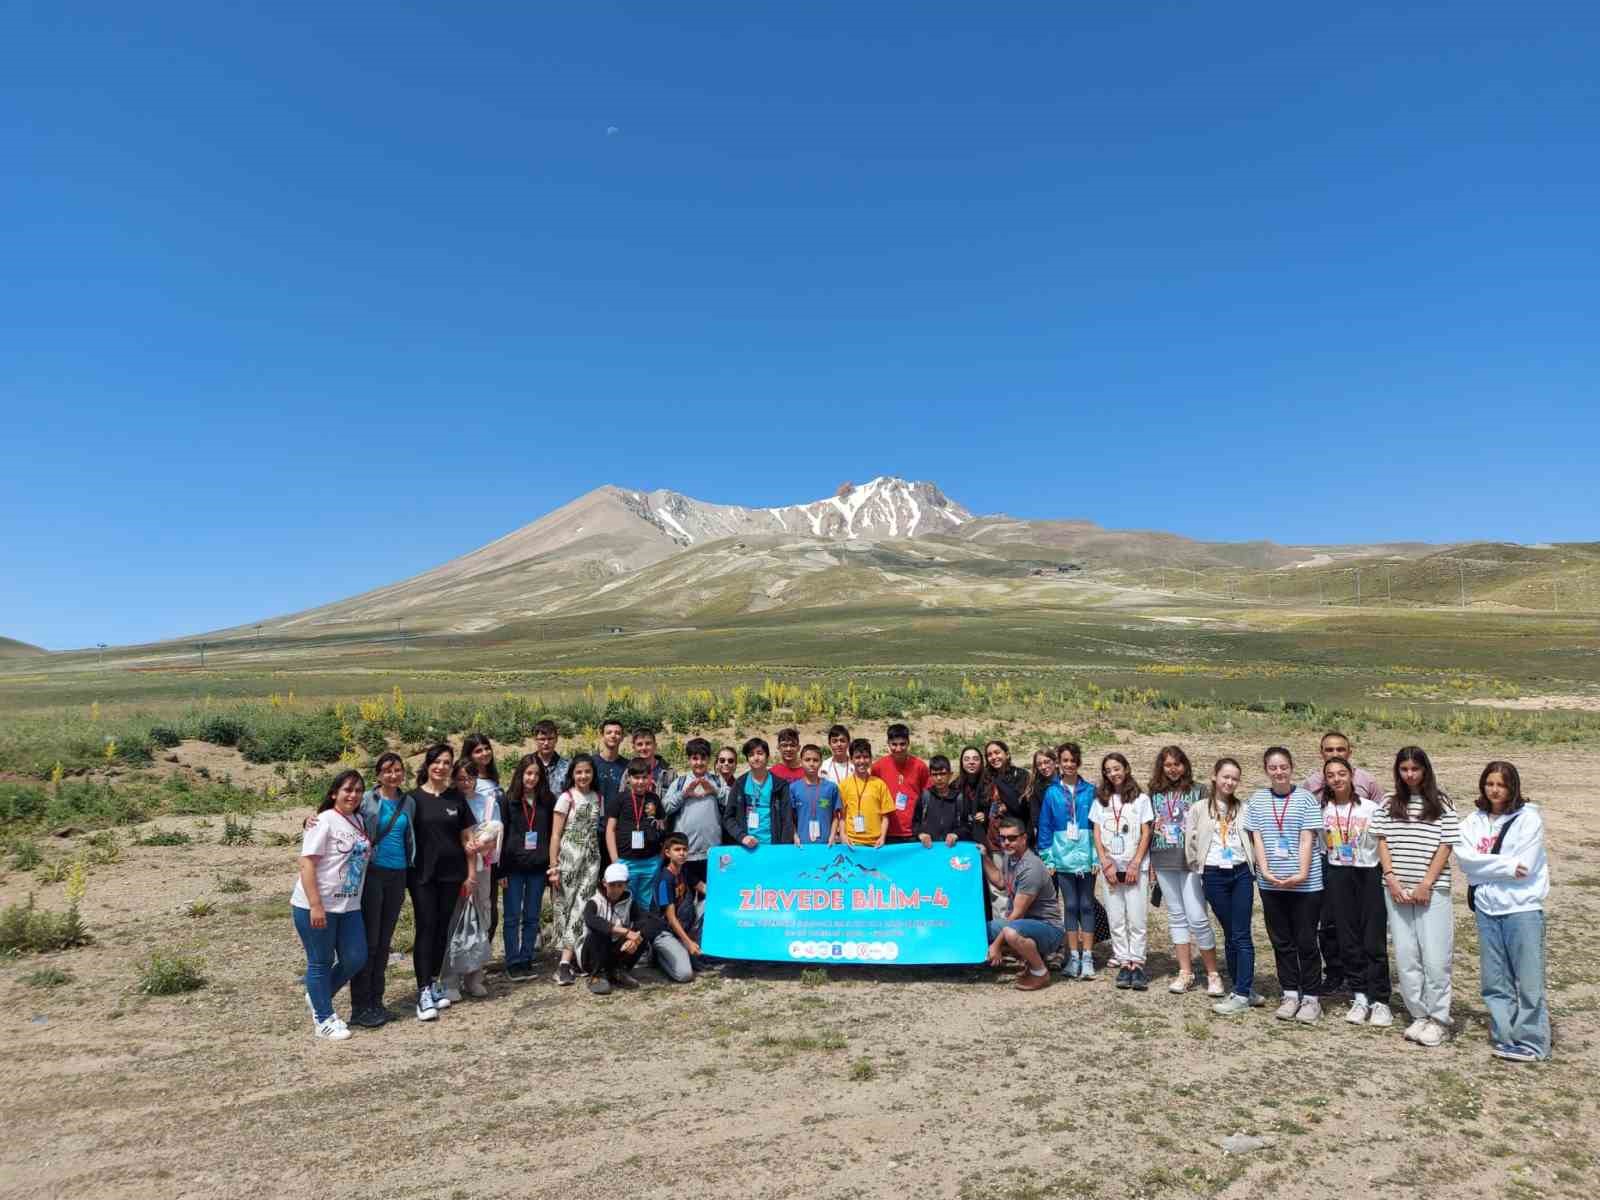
(1234,843)
(1350,825)
(835,771)
(341,849)
(1120,823)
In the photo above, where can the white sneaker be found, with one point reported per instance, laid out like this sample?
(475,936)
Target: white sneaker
(1381,1016)
(333,1030)
(1257,1000)
(1358,1013)
(441,995)
(1181,984)
(1431,1034)
(1310,1011)
(1214,986)
(1413,1029)
(1287,1010)
(425,1006)
(1231,1007)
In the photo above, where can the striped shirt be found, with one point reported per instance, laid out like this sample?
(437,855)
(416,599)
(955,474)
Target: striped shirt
(1412,842)
(1279,820)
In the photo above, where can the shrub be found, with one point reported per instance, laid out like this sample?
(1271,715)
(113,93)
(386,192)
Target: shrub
(26,929)
(102,848)
(237,833)
(164,837)
(222,729)
(25,855)
(233,886)
(166,974)
(200,908)
(22,804)
(46,977)
(164,737)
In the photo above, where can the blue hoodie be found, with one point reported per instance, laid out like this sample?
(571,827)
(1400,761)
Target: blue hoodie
(1056,813)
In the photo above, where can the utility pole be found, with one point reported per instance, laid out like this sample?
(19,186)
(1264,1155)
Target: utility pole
(202,654)
(258,631)
(1462,567)
(1358,587)
(1388,587)
(100,654)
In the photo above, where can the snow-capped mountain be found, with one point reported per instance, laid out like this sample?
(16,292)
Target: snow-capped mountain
(884,507)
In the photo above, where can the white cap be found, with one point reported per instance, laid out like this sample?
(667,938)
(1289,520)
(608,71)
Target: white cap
(617,873)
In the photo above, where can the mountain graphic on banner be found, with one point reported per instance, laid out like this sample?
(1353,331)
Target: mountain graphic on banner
(842,869)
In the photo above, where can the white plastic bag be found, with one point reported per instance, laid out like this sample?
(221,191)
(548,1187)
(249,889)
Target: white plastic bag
(468,947)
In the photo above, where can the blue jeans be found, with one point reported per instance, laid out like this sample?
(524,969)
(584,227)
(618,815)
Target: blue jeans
(342,941)
(1231,893)
(1511,962)
(1077,901)
(524,895)
(642,876)
(1043,934)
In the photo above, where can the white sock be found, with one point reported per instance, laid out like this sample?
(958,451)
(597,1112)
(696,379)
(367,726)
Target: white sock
(1291,995)
(1040,971)
(1361,999)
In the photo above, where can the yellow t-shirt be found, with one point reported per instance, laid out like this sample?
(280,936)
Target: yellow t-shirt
(868,798)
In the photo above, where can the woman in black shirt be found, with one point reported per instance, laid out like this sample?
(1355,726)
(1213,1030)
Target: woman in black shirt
(442,872)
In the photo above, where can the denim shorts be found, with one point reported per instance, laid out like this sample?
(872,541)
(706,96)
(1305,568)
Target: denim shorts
(1045,935)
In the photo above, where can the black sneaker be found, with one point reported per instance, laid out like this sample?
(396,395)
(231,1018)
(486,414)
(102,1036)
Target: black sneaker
(623,980)
(599,986)
(1125,978)
(519,972)
(565,975)
(365,1018)
(1141,981)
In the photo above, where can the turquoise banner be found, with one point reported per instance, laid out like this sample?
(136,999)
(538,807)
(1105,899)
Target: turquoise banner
(846,904)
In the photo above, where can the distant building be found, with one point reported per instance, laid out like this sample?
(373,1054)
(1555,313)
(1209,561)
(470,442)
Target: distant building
(614,629)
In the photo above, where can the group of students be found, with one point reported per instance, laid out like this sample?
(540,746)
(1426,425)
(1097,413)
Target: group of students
(621,844)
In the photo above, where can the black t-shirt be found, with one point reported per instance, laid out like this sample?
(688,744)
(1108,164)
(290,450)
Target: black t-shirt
(440,821)
(642,813)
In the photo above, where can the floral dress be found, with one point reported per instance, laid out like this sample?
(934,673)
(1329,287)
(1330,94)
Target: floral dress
(579,862)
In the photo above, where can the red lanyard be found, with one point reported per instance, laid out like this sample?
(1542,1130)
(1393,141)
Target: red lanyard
(1279,816)
(1349,819)
(638,809)
(1117,805)
(360,829)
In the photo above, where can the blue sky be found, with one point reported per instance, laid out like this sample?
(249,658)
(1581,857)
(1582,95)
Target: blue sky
(302,300)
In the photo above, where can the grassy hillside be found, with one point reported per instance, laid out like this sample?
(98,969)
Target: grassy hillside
(11,648)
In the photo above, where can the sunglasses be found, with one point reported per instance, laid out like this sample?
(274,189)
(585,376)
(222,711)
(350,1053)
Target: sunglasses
(1013,837)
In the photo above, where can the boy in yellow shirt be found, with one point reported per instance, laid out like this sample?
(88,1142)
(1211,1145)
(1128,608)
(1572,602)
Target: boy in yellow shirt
(865,799)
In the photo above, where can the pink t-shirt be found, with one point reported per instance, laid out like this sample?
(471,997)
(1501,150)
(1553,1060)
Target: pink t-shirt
(341,849)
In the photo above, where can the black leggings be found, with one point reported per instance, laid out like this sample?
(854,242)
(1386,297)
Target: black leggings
(433,903)
(381,899)
(1354,899)
(1291,919)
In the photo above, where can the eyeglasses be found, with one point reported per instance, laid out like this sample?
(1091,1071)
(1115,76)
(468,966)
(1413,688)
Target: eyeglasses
(1013,837)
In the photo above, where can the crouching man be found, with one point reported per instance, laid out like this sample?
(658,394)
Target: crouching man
(1031,929)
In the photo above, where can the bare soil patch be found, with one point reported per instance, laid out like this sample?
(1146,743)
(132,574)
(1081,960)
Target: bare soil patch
(768,1081)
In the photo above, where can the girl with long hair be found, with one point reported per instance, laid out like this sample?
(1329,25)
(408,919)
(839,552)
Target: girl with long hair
(443,871)
(1122,817)
(1218,847)
(326,902)
(1502,854)
(1353,893)
(1416,831)
(529,812)
(1173,794)
(389,815)
(575,862)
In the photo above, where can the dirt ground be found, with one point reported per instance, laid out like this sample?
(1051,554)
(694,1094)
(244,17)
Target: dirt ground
(765,1081)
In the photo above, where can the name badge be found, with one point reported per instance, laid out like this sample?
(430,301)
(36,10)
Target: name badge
(816,831)
(1174,833)
(900,801)
(752,820)
(1072,831)
(1227,854)
(1119,844)
(530,840)
(861,823)
(637,840)
(1347,854)
(1283,845)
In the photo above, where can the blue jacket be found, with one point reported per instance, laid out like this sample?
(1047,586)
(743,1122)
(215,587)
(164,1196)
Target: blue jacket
(370,803)
(1056,812)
